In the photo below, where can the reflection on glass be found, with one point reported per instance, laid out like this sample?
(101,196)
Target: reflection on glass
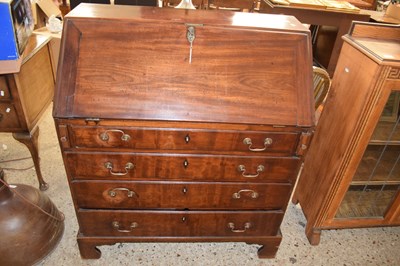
(377,179)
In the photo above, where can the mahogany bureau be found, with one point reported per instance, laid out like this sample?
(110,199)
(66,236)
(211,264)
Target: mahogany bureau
(182,125)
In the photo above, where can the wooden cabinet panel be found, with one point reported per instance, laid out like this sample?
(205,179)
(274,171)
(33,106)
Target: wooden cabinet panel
(156,166)
(36,91)
(179,223)
(351,172)
(241,93)
(25,96)
(180,195)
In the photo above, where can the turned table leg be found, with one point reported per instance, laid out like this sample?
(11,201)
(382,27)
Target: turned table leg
(31,141)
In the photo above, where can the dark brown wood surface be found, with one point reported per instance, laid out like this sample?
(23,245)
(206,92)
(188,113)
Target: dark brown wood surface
(118,78)
(360,89)
(282,143)
(180,223)
(182,148)
(180,195)
(167,166)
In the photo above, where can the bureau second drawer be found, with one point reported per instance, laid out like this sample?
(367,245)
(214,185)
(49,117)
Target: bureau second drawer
(152,166)
(180,195)
(179,223)
(280,143)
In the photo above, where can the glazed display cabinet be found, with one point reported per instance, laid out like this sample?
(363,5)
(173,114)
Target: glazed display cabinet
(351,175)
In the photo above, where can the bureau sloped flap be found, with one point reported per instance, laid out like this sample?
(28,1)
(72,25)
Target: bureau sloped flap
(134,63)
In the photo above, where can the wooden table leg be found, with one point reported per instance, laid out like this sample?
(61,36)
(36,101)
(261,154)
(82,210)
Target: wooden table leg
(31,141)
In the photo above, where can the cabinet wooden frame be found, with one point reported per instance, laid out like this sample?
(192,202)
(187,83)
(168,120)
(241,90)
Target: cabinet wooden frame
(25,96)
(365,77)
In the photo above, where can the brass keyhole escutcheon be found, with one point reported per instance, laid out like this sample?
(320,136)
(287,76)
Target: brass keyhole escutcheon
(187,138)
(185,163)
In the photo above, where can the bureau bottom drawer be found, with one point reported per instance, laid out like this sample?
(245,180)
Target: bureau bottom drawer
(179,223)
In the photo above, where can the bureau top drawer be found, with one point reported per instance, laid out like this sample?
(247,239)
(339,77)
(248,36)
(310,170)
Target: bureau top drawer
(4,91)
(279,143)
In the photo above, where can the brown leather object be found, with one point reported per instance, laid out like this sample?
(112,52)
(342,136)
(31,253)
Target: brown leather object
(30,224)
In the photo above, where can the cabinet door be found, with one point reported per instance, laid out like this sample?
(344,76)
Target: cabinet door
(376,183)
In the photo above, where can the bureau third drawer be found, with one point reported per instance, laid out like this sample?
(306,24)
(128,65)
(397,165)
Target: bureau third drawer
(180,195)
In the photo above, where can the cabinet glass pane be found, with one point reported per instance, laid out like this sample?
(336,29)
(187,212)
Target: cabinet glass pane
(377,179)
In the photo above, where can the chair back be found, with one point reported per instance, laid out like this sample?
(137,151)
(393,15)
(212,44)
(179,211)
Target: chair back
(322,84)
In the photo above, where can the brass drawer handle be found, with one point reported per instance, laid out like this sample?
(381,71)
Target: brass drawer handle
(232,227)
(105,137)
(242,169)
(128,167)
(116,226)
(237,195)
(113,192)
(267,141)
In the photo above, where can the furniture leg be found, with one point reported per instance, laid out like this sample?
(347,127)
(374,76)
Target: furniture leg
(269,249)
(313,235)
(295,199)
(88,249)
(31,141)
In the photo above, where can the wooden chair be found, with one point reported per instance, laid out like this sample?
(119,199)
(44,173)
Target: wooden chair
(321,84)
